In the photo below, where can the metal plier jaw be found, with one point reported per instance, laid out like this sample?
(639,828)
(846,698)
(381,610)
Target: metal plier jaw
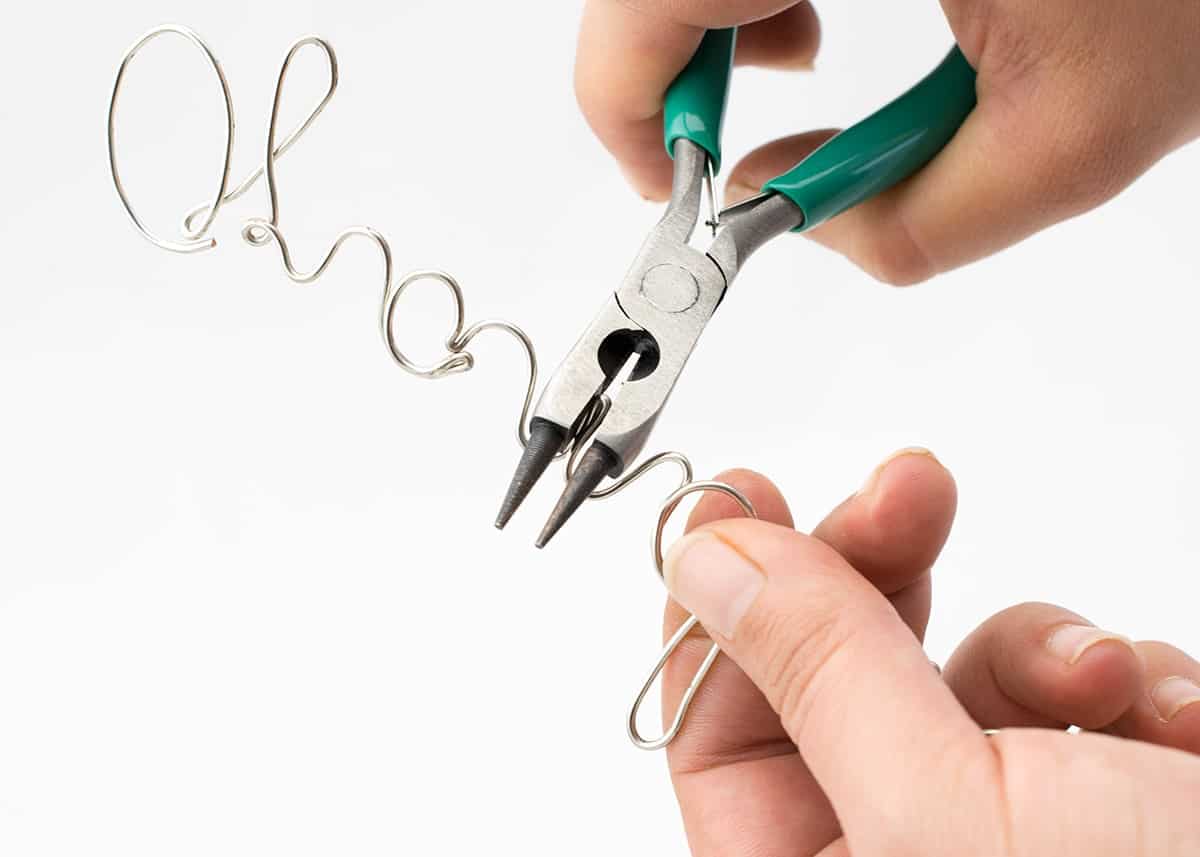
(625,365)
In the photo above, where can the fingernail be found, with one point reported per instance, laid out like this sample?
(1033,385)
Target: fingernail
(1171,695)
(1071,642)
(712,580)
(873,479)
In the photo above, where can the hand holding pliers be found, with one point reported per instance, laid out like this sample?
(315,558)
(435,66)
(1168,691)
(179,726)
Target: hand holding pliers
(614,383)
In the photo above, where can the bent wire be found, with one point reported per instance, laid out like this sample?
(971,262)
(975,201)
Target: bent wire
(259,232)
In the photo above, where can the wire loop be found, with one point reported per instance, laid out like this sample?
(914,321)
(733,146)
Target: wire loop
(273,152)
(194,241)
(685,702)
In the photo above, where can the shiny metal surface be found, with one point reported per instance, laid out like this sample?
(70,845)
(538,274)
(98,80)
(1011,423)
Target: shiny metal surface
(670,292)
(668,296)
(692,280)
(748,226)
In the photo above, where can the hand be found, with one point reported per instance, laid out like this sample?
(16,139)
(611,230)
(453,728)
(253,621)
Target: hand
(1076,100)
(827,731)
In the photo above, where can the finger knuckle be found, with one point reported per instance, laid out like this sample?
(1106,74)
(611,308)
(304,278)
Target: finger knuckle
(1072,158)
(1077,150)
(1089,164)
(801,648)
(1001,44)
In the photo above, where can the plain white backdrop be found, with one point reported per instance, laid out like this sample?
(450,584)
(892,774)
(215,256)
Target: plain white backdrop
(251,600)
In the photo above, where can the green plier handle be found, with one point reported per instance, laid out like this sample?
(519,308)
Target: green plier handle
(865,159)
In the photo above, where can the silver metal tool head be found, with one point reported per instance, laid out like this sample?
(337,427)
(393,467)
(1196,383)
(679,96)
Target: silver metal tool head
(623,368)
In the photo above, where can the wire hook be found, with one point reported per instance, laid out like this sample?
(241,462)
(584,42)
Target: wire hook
(668,508)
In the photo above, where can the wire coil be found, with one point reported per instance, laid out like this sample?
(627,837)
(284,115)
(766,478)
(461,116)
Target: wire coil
(260,232)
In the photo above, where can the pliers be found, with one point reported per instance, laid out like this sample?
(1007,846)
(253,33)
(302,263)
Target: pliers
(615,381)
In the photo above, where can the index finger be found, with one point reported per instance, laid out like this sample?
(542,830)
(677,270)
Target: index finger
(630,51)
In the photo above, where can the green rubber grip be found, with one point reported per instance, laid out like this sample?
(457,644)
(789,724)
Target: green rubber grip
(694,107)
(883,149)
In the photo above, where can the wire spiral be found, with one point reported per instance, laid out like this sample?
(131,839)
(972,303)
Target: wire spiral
(260,232)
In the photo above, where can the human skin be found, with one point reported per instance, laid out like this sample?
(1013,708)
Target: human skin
(1076,100)
(826,731)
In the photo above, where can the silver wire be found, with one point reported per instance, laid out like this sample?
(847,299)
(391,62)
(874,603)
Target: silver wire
(259,232)
(714,205)
(687,486)
(194,240)
(276,152)
(664,514)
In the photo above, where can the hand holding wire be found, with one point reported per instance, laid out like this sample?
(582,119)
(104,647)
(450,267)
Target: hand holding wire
(825,731)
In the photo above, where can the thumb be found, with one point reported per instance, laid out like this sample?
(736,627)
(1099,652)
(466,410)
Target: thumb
(1005,176)
(884,737)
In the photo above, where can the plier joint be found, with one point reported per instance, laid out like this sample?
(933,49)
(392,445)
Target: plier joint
(612,386)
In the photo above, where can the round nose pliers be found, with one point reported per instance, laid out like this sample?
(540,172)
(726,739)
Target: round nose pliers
(615,381)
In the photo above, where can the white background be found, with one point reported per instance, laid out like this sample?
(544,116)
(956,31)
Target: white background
(251,601)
